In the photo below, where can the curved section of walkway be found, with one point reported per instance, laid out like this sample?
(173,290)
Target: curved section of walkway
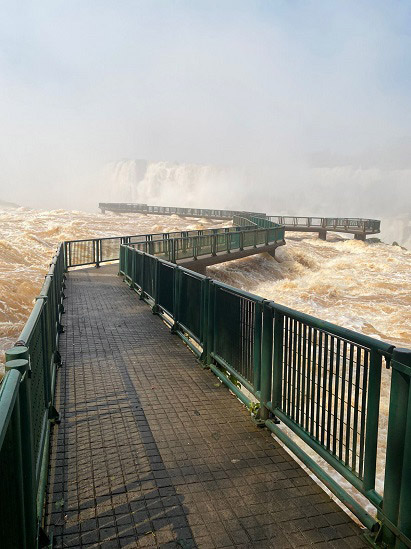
(153,451)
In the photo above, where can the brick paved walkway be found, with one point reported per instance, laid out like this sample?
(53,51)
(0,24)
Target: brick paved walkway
(153,451)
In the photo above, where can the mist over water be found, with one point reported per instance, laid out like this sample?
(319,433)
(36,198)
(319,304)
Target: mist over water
(346,191)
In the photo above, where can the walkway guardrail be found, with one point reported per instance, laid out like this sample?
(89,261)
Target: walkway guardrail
(129,207)
(358,226)
(174,249)
(320,380)
(26,414)
(343,224)
(94,251)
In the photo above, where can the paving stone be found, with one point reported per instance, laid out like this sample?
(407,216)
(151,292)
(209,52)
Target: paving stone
(153,452)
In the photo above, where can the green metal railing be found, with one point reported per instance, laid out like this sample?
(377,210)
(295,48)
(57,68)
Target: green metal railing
(338,224)
(26,413)
(171,246)
(174,249)
(320,380)
(129,207)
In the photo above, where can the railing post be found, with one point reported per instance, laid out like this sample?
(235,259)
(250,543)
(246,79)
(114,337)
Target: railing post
(176,290)
(66,260)
(143,261)
(17,359)
(173,250)
(372,417)
(278,359)
(204,318)
(266,360)
(397,485)
(120,259)
(155,309)
(96,252)
(258,326)
(210,321)
(214,244)
(195,239)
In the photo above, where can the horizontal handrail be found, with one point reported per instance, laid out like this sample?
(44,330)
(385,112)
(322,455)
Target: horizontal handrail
(125,207)
(338,224)
(26,413)
(193,247)
(320,380)
(369,226)
(100,250)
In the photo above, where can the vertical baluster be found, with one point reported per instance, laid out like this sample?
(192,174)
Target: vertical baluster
(308,397)
(314,366)
(285,364)
(303,373)
(289,364)
(319,376)
(349,405)
(292,366)
(356,410)
(363,411)
(336,393)
(298,366)
(295,372)
(332,403)
(324,390)
(342,409)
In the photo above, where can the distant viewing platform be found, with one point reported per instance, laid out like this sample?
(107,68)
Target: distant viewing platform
(359,227)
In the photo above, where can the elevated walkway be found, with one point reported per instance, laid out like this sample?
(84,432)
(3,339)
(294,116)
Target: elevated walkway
(195,249)
(359,227)
(153,451)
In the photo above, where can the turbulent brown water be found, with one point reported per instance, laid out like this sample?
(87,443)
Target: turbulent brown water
(362,286)
(29,238)
(358,285)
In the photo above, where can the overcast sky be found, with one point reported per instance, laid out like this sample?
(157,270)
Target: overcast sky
(307,83)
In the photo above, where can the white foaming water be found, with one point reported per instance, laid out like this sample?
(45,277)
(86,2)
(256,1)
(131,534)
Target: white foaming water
(365,287)
(357,285)
(166,183)
(29,238)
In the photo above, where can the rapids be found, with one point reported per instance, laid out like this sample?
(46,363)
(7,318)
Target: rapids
(359,285)
(29,238)
(362,286)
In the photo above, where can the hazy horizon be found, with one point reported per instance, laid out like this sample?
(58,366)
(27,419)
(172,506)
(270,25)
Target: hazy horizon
(304,96)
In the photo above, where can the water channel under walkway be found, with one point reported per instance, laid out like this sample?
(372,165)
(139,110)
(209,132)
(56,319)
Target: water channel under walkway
(153,451)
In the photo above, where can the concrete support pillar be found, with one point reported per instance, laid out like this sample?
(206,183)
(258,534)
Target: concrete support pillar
(322,235)
(360,236)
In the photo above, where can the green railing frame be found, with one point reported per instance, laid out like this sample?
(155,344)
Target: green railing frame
(337,224)
(320,380)
(175,249)
(95,251)
(241,345)
(26,414)
(130,207)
